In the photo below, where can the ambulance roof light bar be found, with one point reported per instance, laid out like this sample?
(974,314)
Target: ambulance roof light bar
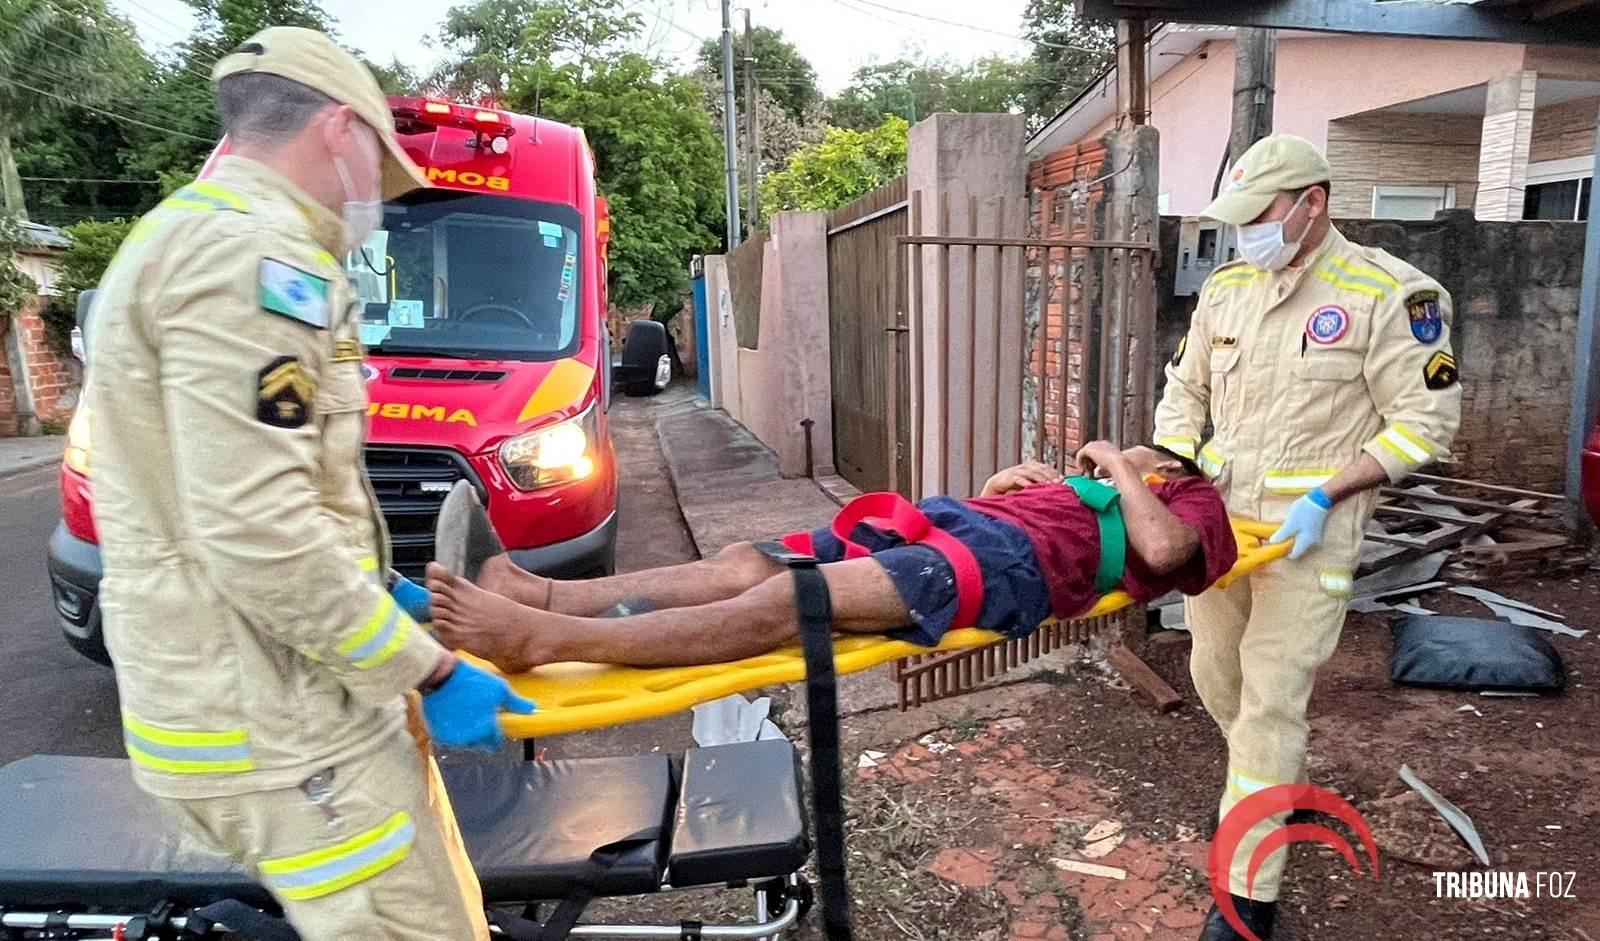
(413,115)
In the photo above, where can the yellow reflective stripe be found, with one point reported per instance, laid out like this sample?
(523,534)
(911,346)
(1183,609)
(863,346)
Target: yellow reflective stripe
(1183,446)
(1403,441)
(386,653)
(216,193)
(325,257)
(1360,287)
(1337,584)
(1301,480)
(380,617)
(1373,274)
(1241,783)
(1211,461)
(325,871)
(368,564)
(190,766)
(180,739)
(385,632)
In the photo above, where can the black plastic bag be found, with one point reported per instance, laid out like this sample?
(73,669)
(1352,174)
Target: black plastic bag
(1473,654)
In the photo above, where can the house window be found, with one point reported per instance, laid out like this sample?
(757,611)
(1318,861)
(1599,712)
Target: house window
(1558,189)
(1411,202)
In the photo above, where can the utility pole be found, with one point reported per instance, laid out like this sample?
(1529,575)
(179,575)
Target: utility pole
(1255,62)
(752,130)
(729,126)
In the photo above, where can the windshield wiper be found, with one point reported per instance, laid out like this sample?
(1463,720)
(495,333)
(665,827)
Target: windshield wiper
(391,350)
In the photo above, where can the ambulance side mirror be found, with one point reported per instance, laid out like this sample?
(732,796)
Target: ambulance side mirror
(81,330)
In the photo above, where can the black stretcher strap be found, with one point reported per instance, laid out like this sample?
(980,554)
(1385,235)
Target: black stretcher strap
(565,917)
(815,609)
(241,919)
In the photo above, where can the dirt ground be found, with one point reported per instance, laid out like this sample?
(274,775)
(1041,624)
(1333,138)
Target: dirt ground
(960,834)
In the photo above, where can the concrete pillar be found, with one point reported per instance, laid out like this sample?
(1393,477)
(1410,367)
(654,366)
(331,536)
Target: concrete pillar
(962,166)
(1503,151)
(721,355)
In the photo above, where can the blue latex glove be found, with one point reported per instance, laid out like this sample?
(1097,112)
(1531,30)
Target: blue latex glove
(412,598)
(464,711)
(1307,516)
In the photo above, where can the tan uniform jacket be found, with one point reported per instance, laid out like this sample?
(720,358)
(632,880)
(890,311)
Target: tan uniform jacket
(254,644)
(1300,371)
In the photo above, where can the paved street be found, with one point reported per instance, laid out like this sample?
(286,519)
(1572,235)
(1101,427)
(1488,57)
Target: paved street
(54,701)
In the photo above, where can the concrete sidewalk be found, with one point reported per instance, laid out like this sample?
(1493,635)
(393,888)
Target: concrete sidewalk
(21,454)
(728,483)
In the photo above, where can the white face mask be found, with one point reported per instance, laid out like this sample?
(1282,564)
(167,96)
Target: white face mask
(362,216)
(1262,243)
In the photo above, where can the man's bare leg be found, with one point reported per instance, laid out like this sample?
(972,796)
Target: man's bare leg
(735,569)
(516,637)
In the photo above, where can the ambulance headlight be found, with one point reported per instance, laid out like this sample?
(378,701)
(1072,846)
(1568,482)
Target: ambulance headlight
(557,454)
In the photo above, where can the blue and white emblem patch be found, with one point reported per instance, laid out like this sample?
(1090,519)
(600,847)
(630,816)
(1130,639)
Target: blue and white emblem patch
(1328,324)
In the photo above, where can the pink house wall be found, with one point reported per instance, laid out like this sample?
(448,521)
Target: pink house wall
(1318,79)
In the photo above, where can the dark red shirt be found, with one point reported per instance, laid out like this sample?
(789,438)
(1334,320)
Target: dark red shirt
(1066,538)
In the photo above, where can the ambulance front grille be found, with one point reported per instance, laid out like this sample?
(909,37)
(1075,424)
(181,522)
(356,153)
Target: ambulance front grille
(410,483)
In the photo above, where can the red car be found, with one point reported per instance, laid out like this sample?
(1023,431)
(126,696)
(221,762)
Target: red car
(1591,472)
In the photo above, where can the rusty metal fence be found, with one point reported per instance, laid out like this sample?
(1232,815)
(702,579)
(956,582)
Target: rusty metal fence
(983,359)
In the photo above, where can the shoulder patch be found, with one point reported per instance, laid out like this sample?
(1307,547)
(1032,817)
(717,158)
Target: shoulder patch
(283,393)
(1422,309)
(1440,372)
(290,292)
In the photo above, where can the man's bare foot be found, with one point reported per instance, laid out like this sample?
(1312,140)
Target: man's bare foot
(487,625)
(502,576)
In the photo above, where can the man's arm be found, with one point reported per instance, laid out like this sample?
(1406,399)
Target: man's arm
(1162,540)
(1181,413)
(1016,478)
(249,506)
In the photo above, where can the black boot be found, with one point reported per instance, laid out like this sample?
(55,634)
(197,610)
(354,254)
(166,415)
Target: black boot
(1257,916)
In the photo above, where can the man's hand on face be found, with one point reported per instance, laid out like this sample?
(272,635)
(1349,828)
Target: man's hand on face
(1023,475)
(1097,456)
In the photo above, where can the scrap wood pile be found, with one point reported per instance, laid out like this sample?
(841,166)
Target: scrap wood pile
(1490,532)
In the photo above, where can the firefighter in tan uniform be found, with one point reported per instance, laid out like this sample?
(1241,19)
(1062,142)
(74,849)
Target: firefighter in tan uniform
(265,674)
(1322,369)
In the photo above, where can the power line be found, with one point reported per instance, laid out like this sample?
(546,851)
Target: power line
(111,114)
(981,29)
(131,112)
(94,24)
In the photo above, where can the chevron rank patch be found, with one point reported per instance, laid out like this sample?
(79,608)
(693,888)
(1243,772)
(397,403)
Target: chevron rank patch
(346,350)
(290,292)
(1440,371)
(283,393)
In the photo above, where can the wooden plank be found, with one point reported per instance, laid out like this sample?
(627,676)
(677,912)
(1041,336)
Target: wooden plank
(1521,507)
(1142,678)
(1491,488)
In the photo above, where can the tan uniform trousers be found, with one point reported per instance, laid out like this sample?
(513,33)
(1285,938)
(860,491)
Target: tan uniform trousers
(366,851)
(1257,646)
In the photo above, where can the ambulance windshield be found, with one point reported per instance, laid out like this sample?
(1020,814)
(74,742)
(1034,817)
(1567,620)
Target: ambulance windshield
(467,275)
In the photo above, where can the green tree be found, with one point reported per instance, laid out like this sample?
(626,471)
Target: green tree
(490,41)
(396,78)
(915,89)
(846,165)
(15,287)
(656,159)
(780,68)
(1068,55)
(53,56)
(80,265)
(779,134)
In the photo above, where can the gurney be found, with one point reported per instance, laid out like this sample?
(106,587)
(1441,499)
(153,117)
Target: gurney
(85,854)
(574,697)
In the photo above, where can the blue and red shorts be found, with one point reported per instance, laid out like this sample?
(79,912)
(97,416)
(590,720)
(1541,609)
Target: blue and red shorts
(1015,599)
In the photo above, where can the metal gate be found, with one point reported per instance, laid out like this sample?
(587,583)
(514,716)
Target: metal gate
(978,404)
(868,357)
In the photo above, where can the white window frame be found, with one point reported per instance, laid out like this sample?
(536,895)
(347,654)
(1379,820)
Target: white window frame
(1560,171)
(1446,192)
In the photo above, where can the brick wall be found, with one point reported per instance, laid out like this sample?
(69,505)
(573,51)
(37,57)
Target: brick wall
(1515,287)
(1564,130)
(53,378)
(1400,149)
(1052,183)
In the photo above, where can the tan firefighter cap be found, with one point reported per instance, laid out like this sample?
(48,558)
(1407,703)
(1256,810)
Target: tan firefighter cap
(317,62)
(1277,163)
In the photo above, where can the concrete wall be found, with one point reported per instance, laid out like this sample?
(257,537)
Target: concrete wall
(773,389)
(1515,287)
(1401,149)
(966,159)
(1318,79)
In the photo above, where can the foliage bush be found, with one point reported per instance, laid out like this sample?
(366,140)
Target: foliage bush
(846,165)
(81,264)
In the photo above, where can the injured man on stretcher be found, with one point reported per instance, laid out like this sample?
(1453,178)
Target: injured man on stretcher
(1037,543)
